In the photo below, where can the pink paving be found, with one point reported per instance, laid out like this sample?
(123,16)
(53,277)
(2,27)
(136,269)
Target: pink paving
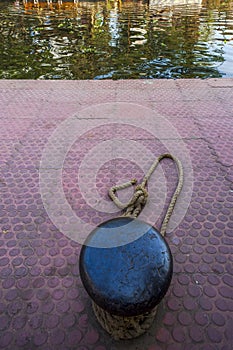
(97,134)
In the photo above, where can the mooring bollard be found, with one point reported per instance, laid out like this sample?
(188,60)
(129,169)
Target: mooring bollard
(126,282)
(126,265)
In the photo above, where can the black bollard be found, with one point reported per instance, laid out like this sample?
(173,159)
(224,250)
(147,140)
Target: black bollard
(126,268)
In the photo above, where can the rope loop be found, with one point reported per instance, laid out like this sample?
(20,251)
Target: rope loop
(136,204)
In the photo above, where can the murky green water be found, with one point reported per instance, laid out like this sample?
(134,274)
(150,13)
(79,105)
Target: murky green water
(116,39)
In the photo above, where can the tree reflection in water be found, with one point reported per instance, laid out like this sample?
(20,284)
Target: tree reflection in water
(115,39)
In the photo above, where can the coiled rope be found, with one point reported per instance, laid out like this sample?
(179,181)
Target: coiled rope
(131,327)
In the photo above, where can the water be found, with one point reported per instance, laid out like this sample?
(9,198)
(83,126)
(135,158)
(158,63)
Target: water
(116,39)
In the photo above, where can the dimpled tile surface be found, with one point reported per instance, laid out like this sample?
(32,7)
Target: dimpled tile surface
(98,134)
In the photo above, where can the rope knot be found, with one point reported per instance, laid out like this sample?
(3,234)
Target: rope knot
(135,205)
(141,189)
(137,202)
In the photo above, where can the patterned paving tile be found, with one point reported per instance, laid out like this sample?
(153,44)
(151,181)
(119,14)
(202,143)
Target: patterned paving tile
(121,127)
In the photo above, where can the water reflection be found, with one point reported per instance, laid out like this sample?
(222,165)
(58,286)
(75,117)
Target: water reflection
(114,25)
(116,39)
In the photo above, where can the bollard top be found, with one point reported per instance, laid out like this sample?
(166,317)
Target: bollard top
(128,279)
